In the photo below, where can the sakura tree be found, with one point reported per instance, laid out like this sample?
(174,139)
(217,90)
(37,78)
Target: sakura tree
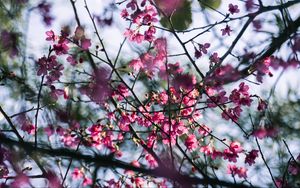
(149,93)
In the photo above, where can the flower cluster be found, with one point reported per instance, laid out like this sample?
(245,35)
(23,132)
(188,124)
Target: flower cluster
(98,90)
(240,97)
(233,8)
(143,14)
(150,62)
(45,10)
(231,153)
(202,48)
(234,170)
(251,156)
(26,124)
(78,174)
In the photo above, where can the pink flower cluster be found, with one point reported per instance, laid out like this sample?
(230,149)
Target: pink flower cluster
(98,90)
(26,124)
(232,153)
(265,131)
(240,97)
(45,9)
(251,156)
(234,170)
(150,62)
(191,142)
(78,174)
(140,15)
(233,8)
(202,48)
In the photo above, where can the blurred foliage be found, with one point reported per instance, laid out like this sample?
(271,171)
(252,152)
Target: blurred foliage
(180,19)
(285,115)
(210,4)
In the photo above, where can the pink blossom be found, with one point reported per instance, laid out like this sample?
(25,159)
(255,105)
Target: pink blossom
(124,13)
(249,5)
(50,36)
(136,64)
(151,140)
(149,34)
(219,98)
(152,162)
(72,60)
(241,96)
(191,142)
(226,30)
(232,152)
(149,15)
(263,132)
(42,66)
(242,172)
(251,156)
(232,113)
(44,8)
(99,89)
(85,44)
(124,122)
(233,8)
(20,181)
(257,24)
(61,48)
(236,147)
(49,130)
(184,81)
(160,46)
(134,36)
(29,128)
(55,92)
(175,68)
(207,150)
(202,48)
(53,180)
(204,130)
(263,68)
(87,181)
(26,124)
(132,4)
(139,182)
(223,73)
(163,98)
(234,170)
(60,131)
(210,151)
(214,58)
(77,174)
(69,140)
(122,92)
(66,93)
(135,163)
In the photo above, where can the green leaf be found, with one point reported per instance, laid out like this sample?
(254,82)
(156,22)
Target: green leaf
(181,18)
(210,4)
